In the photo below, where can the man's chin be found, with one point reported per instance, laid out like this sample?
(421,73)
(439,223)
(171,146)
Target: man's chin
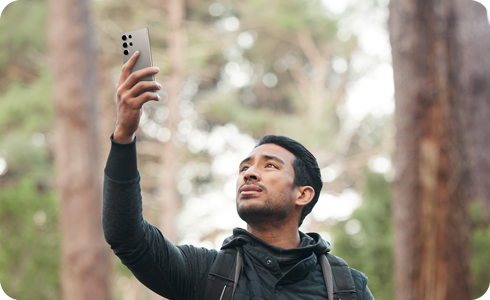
(253,213)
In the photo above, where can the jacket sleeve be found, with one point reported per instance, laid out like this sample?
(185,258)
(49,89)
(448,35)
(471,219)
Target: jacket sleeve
(175,272)
(360,281)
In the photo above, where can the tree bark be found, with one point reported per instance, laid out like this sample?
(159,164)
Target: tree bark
(177,43)
(474,36)
(431,185)
(168,194)
(85,260)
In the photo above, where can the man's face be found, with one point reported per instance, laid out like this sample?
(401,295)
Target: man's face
(265,185)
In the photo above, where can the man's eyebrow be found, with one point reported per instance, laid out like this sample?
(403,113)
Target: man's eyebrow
(266,157)
(245,160)
(272,157)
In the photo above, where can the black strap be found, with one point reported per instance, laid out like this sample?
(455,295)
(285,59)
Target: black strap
(223,276)
(343,283)
(327,275)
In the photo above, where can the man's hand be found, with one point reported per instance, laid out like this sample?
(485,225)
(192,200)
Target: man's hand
(131,96)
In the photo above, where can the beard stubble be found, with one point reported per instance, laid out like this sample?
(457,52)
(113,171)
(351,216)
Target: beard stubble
(270,210)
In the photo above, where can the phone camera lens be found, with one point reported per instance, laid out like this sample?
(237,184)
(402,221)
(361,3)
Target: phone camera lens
(125,45)
(130,36)
(124,38)
(126,52)
(130,44)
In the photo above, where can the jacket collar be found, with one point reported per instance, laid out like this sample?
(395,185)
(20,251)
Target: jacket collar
(310,242)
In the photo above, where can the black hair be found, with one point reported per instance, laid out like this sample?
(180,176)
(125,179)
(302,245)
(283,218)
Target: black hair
(306,169)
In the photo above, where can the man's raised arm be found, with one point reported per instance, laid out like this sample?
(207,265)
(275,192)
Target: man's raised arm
(174,272)
(122,214)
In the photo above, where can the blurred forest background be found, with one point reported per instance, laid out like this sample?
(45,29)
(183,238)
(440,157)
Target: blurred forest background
(232,71)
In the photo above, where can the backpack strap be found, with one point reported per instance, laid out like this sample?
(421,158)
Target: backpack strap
(224,274)
(327,275)
(342,283)
(238,268)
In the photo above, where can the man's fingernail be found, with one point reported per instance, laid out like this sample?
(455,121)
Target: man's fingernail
(159,85)
(156,68)
(158,97)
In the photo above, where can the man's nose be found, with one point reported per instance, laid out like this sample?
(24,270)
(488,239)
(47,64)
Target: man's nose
(251,174)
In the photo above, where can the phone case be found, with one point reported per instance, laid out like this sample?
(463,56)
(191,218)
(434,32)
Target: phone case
(132,41)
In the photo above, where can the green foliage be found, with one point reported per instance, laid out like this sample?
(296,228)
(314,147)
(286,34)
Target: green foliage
(23,157)
(27,108)
(224,109)
(29,261)
(23,19)
(284,14)
(480,256)
(370,250)
(265,121)
(22,40)
(29,248)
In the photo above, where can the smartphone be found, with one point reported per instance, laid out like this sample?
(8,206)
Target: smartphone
(132,41)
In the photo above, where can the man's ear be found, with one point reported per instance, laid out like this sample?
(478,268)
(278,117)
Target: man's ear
(306,194)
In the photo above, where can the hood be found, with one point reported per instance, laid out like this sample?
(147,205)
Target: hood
(310,242)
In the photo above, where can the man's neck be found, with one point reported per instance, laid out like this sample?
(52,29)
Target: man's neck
(283,236)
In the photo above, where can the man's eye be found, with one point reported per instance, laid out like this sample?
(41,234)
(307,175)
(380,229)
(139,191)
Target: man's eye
(243,169)
(271,166)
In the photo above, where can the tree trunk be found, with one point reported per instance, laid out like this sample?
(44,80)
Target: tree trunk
(85,260)
(474,34)
(106,107)
(168,194)
(431,185)
(177,43)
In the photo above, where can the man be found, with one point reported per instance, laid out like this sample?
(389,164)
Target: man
(278,184)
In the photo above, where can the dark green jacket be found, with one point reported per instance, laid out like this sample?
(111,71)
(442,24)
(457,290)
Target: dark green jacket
(271,272)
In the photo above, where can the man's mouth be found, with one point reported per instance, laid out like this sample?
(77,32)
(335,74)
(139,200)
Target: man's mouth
(249,189)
